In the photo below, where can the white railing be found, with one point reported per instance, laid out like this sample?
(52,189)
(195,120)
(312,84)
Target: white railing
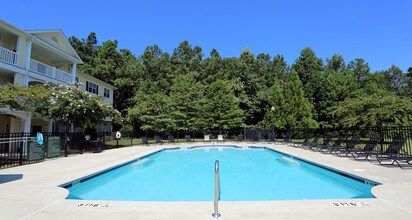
(8,56)
(58,74)
(42,68)
(63,76)
(50,71)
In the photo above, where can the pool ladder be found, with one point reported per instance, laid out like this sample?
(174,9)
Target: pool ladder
(217,191)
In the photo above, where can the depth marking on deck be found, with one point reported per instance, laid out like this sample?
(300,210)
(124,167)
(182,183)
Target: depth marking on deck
(94,205)
(349,204)
(359,170)
(376,177)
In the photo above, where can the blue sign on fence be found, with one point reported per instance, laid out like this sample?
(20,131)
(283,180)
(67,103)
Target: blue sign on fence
(39,138)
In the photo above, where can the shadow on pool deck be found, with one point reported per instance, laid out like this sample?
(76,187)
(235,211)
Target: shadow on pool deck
(4,178)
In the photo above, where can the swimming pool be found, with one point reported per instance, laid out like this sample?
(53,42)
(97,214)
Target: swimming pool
(246,174)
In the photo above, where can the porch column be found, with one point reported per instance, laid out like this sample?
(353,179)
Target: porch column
(26,128)
(50,126)
(26,124)
(27,62)
(18,46)
(21,50)
(18,79)
(74,67)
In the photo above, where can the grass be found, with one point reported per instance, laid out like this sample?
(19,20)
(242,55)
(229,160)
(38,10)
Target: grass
(124,142)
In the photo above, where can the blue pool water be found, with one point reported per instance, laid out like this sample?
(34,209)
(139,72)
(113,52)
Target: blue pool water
(245,174)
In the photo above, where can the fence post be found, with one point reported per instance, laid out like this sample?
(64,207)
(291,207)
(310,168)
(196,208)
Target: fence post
(131,138)
(21,149)
(382,138)
(65,144)
(82,142)
(244,135)
(104,141)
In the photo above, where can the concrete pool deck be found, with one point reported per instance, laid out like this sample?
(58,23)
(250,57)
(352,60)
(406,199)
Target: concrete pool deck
(36,195)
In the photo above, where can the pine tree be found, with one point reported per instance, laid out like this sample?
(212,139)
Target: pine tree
(290,107)
(308,66)
(222,108)
(186,100)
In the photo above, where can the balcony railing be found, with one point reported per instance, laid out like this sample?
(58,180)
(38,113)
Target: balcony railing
(66,77)
(50,71)
(8,56)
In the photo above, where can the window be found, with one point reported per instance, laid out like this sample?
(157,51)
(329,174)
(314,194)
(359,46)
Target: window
(55,39)
(92,88)
(106,93)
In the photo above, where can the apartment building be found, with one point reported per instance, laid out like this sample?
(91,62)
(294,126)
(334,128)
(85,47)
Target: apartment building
(99,88)
(29,57)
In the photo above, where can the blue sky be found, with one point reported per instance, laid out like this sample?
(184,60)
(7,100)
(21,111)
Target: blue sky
(380,31)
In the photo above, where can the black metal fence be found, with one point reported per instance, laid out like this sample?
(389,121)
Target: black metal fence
(23,148)
(385,135)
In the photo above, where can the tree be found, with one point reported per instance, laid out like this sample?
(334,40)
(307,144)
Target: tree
(222,108)
(160,76)
(386,82)
(307,66)
(85,48)
(275,115)
(371,111)
(186,103)
(33,99)
(270,71)
(183,53)
(290,107)
(336,63)
(155,71)
(408,91)
(279,69)
(125,80)
(373,84)
(396,80)
(210,68)
(151,112)
(331,87)
(63,103)
(106,62)
(359,68)
(248,74)
(77,108)
(184,56)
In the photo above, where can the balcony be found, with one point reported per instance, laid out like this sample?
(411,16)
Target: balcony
(50,71)
(8,56)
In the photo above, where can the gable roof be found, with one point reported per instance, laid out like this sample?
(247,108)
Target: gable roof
(13,28)
(57,39)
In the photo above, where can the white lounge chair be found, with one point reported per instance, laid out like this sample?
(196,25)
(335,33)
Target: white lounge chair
(207,138)
(220,138)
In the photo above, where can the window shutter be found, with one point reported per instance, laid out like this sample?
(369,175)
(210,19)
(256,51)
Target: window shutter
(87,86)
(97,89)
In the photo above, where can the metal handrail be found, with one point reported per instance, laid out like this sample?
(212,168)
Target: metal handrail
(217,191)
